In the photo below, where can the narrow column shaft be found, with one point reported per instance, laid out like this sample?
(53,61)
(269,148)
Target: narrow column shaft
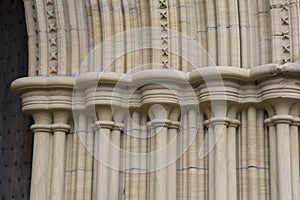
(220,133)
(192,155)
(282,123)
(128,158)
(273,159)
(95,163)
(202,160)
(243,156)
(81,156)
(102,179)
(231,160)
(171,182)
(143,161)
(184,157)
(40,162)
(172,152)
(151,149)
(261,156)
(211,160)
(252,154)
(102,158)
(160,158)
(295,158)
(134,149)
(115,162)
(88,179)
(58,163)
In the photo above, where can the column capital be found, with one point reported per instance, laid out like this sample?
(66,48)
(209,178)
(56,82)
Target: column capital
(234,123)
(45,94)
(41,128)
(104,124)
(285,119)
(174,125)
(158,123)
(60,128)
(118,127)
(296,121)
(219,121)
(269,122)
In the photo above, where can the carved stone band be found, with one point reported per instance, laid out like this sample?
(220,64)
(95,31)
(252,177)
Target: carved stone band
(49,128)
(104,124)
(284,119)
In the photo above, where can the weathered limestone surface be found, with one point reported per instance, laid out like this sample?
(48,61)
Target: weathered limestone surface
(122,119)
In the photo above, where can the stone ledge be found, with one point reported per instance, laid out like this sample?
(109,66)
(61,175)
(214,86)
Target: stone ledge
(242,86)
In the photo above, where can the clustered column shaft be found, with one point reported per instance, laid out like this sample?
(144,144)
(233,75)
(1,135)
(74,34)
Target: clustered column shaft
(48,172)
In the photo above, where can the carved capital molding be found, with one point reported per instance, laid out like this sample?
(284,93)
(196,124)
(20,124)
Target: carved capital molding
(119,126)
(219,121)
(284,119)
(43,128)
(269,122)
(296,121)
(206,87)
(104,125)
(234,123)
(158,123)
(45,93)
(60,128)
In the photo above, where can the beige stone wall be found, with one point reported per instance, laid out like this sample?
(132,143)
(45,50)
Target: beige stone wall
(235,107)
(234,33)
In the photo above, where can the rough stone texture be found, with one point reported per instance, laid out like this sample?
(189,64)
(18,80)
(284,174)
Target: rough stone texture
(15,136)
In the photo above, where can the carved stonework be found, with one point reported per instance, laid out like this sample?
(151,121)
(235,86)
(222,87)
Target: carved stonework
(194,131)
(163,9)
(285,32)
(52,28)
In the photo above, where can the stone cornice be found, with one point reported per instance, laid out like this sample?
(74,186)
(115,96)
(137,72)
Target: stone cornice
(26,84)
(242,86)
(45,93)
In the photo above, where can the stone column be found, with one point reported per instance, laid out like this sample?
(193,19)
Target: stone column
(252,154)
(172,153)
(144,161)
(192,154)
(60,128)
(172,169)
(219,125)
(282,120)
(231,159)
(282,123)
(49,101)
(81,164)
(104,127)
(159,121)
(115,160)
(273,158)
(135,157)
(102,175)
(40,178)
(151,161)
(161,173)
(184,157)
(211,156)
(127,158)
(295,157)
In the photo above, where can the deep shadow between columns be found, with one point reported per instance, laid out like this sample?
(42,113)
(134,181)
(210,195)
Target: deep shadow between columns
(15,136)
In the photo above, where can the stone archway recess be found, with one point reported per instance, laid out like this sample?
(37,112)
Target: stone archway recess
(255,46)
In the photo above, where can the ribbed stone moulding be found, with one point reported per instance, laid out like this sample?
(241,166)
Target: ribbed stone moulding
(202,105)
(236,33)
